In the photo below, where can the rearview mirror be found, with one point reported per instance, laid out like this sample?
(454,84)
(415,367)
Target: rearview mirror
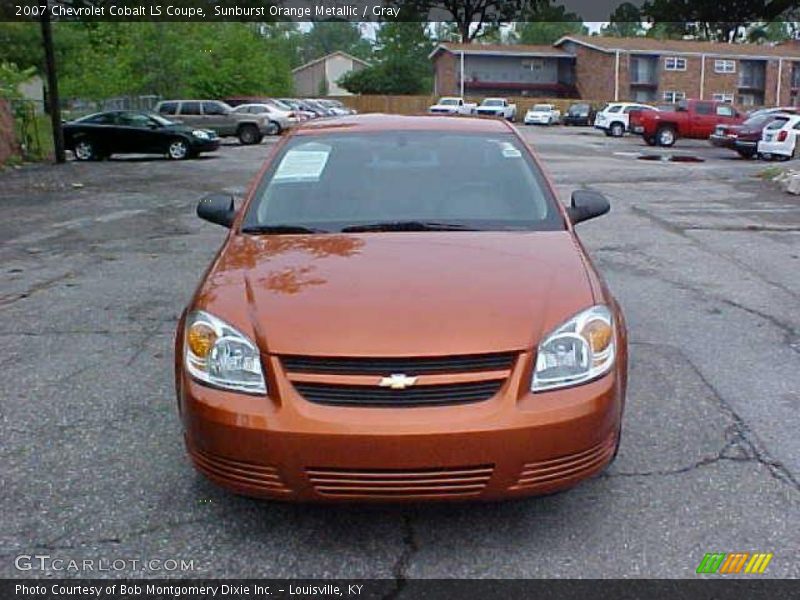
(217,208)
(587,204)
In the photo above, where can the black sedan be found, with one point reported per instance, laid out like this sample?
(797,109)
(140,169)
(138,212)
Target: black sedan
(579,114)
(100,135)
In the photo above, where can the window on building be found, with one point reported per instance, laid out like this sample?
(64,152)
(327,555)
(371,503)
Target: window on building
(673,96)
(725,66)
(747,99)
(723,97)
(674,63)
(533,64)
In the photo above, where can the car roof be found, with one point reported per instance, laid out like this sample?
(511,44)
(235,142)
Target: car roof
(372,122)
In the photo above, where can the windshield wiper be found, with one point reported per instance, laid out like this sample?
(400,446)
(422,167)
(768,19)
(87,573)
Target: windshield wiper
(281,228)
(407,226)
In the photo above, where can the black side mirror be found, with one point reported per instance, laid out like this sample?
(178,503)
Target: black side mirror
(587,204)
(217,208)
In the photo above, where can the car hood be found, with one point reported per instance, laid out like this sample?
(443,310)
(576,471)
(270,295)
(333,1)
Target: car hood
(397,294)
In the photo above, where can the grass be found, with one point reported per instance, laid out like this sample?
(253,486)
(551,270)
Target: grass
(770,173)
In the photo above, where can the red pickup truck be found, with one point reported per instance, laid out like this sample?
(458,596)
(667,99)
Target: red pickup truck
(696,119)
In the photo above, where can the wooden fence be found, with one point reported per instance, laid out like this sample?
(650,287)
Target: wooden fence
(409,105)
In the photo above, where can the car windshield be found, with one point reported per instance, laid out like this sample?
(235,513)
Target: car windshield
(493,103)
(403,180)
(576,109)
(448,101)
(542,108)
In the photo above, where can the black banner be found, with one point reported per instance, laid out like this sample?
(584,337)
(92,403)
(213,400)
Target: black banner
(350,10)
(432,589)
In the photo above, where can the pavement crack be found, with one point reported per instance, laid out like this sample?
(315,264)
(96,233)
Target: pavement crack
(411,547)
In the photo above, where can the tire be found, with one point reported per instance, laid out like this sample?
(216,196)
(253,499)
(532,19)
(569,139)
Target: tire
(607,132)
(650,140)
(746,154)
(617,129)
(178,149)
(85,150)
(666,136)
(249,134)
(273,128)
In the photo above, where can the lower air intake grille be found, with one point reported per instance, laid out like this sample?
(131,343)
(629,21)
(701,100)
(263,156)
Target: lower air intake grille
(424,395)
(397,483)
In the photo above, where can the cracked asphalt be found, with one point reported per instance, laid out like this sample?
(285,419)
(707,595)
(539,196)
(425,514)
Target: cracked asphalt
(99,259)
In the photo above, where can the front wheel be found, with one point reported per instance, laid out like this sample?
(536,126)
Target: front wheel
(85,150)
(748,154)
(178,150)
(273,128)
(249,134)
(617,129)
(665,136)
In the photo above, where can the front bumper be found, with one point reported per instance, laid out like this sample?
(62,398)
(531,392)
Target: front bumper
(514,444)
(537,120)
(722,141)
(200,145)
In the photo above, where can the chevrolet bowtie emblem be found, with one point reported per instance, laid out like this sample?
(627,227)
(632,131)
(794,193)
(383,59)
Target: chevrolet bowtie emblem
(398,381)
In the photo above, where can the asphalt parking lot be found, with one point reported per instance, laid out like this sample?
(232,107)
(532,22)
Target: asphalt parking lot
(99,259)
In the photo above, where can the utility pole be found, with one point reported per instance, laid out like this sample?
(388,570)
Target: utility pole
(54,107)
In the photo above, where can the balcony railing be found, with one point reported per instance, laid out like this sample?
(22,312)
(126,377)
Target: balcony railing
(751,82)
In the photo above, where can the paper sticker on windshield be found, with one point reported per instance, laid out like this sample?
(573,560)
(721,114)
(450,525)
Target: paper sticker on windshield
(302,165)
(509,151)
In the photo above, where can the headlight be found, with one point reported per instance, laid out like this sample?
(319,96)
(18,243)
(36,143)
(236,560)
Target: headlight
(199,133)
(582,349)
(216,354)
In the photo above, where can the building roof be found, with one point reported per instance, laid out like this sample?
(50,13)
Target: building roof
(500,50)
(326,57)
(652,45)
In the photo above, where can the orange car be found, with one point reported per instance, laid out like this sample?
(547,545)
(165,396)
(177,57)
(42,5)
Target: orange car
(401,311)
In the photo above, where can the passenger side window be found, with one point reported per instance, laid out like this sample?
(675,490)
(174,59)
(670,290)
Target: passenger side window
(168,108)
(725,111)
(614,109)
(190,108)
(213,108)
(703,108)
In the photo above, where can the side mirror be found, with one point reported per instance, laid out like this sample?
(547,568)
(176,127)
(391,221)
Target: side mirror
(587,204)
(217,208)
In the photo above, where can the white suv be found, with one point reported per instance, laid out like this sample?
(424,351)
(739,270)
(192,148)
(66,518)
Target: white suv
(613,119)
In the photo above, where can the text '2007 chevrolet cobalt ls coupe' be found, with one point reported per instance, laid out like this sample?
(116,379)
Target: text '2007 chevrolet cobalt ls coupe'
(401,311)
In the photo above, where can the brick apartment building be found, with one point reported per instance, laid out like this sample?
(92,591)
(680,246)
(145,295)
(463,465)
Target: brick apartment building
(640,69)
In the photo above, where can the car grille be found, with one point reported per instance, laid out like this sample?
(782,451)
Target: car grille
(400,483)
(410,366)
(264,478)
(424,395)
(544,472)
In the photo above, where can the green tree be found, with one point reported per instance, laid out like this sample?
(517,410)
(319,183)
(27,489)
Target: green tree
(712,19)
(325,37)
(545,25)
(401,64)
(625,21)
(772,31)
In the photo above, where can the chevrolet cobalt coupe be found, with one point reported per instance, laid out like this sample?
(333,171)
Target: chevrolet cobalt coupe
(401,310)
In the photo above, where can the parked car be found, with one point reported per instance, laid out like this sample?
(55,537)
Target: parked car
(341,348)
(219,117)
(744,138)
(779,139)
(298,108)
(695,119)
(613,118)
(319,109)
(100,135)
(542,114)
(450,105)
(497,107)
(336,107)
(279,119)
(579,114)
